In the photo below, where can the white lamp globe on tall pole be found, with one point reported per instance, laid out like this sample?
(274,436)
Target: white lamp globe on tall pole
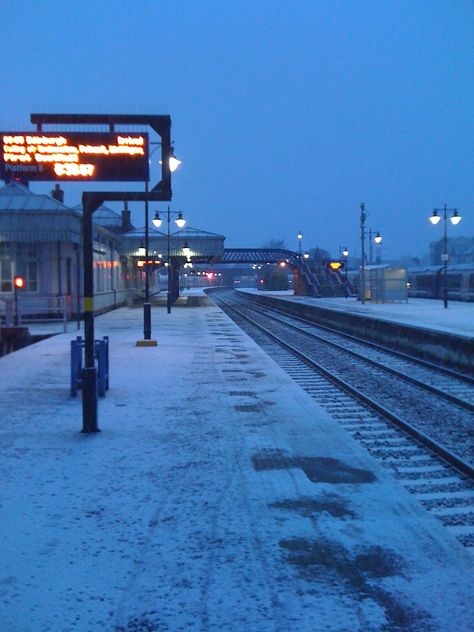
(455,218)
(180,223)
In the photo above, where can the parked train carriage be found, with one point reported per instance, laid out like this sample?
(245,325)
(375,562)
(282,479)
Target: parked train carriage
(429,282)
(423,282)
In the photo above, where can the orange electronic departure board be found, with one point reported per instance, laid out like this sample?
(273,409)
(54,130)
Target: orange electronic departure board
(91,156)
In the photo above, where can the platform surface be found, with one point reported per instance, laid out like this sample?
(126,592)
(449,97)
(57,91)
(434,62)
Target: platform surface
(457,318)
(218,496)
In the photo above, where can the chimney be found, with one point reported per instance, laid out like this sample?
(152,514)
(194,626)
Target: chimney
(18,179)
(57,193)
(126,222)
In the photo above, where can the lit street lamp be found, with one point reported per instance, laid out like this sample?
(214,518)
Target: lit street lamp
(173,165)
(343,252)
(454,219)
(180,222)
(186,249)
(377,239)
(173,161)
(300,237)
(302,257)
(363,217)
(373,240)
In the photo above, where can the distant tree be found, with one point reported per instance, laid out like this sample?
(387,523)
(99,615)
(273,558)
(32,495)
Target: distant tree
(275,278)
(275,243)
(319,255)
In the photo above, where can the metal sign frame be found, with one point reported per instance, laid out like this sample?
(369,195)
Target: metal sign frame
(91,200)
(74,156)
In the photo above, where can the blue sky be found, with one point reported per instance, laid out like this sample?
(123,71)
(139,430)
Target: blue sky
(286,114)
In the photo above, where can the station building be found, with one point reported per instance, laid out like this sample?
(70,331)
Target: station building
(41,241)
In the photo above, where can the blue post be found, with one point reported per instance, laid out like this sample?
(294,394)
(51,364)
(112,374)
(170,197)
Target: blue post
(73,369)
(101,354)
(76,365)
(106,338)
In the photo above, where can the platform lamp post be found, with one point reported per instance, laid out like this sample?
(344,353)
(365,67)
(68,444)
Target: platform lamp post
(173,165)
(180,222)
(363,217)
(343,252)
(377,239)
(454,219)
(300,237)
(146,302)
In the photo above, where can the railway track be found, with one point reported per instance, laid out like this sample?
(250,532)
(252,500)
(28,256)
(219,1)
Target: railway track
(453,386)
(418,425)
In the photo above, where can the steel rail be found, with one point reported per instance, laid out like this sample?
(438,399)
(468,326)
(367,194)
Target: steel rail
(408,378)
(400,354)
(420,437)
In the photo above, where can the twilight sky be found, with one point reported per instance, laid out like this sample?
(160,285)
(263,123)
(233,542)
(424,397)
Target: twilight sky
(286,114)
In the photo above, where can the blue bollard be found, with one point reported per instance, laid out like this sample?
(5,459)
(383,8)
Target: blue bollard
(102,356)
(76,365)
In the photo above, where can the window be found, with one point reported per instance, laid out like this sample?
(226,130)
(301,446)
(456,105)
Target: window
(18,260)
(454,281)
(6,276)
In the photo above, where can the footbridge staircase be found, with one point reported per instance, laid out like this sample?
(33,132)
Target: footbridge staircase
(310,278)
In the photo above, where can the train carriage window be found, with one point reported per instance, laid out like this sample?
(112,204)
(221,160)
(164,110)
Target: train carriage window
(454,281)
(424,281)
(471,281)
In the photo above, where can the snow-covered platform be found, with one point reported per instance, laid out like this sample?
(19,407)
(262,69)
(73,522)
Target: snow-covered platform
(457,318)
(218,496)
(418,327)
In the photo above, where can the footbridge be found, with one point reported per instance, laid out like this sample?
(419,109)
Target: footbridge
(204,248)
(258,256)
(310,278)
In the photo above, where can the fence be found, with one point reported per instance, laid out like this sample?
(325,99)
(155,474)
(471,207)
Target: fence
(34,309)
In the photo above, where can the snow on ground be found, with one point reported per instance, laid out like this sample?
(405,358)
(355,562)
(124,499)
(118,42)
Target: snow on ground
(218,496)
(458,318)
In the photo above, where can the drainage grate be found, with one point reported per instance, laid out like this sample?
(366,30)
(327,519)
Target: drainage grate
(242,393)
(248,408)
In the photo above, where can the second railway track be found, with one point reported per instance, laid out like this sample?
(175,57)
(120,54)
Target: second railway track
(424,438)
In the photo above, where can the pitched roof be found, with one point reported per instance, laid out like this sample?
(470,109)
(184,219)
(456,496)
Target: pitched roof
(182,232)
(140,232)
(16,197)
(104,216)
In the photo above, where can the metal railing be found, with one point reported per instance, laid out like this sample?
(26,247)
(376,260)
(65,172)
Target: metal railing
(34,309)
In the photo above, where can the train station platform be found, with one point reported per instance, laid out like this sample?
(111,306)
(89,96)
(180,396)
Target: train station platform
(420,327)
(457,318)
(218,496)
